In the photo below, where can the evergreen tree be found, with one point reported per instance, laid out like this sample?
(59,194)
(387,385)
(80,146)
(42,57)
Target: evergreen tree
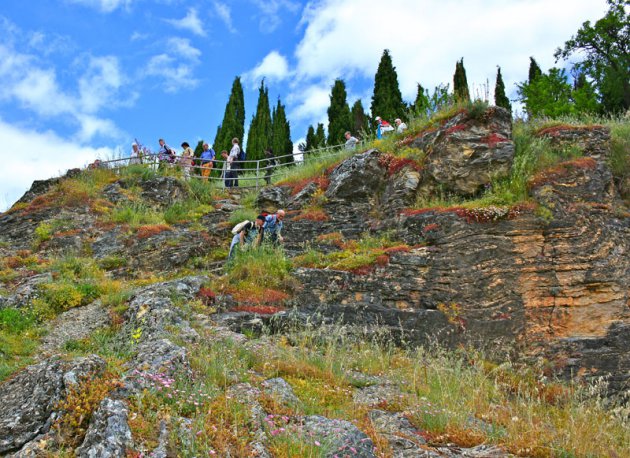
(339,120)
(387,100)
(233,124)
(534,70)
(320,137)
(310,139)
(422,105)
(260,133)
(359,118)
(281,134)
(500,99)
(460,82)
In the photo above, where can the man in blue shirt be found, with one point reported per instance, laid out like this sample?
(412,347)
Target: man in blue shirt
(207,158)
(273,227)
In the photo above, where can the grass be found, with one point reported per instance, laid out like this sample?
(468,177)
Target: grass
(19,336)
(455,397)
(257,277)
(358,256)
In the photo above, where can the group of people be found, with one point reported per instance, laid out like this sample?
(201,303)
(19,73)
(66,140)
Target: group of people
(265,228)
(207,161)
(382,127)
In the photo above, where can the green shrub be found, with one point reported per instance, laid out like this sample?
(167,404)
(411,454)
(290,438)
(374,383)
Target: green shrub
(113,262)
(620,148)
(136,215)
(15,320)
(43,232)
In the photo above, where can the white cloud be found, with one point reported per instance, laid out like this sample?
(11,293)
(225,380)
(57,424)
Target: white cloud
(137,36)
(190,22)
(100,83)
(37,89)
(106,6)
(182,48)
(177,66)
(345,39)
(176,76)
(223,11)
(310,103)
(274,67)
(21,163)
(271,11)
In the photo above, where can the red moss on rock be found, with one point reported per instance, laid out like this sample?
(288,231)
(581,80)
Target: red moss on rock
(554,131)
(395,164)
(207,296)
(312,215)
(145,232)
(561,170)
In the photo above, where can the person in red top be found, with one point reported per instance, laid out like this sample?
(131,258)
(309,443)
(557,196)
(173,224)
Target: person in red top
(382,127)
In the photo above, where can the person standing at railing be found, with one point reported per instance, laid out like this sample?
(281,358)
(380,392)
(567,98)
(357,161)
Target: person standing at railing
(207,161)
(186,160)
(400,126)
(136,154)
(270,163)
(382,127)
(231,165)
(166,155)
(351,142)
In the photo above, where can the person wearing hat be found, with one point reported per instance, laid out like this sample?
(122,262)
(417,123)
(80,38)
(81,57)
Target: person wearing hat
(382,127)
(185,161)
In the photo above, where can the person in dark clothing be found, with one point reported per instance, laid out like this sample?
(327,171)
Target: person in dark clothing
(270,163)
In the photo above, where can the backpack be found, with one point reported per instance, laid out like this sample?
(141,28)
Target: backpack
(241,155)
(239,227)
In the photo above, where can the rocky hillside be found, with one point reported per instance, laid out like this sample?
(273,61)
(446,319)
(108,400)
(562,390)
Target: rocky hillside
(124,335)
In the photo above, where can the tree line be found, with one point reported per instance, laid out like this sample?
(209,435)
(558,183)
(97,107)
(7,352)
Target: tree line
(600,84)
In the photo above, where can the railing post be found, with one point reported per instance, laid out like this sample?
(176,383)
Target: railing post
(257,172)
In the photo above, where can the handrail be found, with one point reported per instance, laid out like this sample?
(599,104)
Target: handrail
(258,166)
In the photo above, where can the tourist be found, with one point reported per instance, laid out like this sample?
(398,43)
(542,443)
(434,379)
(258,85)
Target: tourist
(186,160)
(400,126)
(351,142)
(270,163)
(273,227)
(207,161)
(232,166)
(248,234)
(382,127)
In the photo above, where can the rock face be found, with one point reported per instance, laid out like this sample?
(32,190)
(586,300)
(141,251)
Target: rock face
(502,279)
(467,151)
(28,400)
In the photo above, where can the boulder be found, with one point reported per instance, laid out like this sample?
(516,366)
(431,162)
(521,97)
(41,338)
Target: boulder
(343,438)
(163,191)
(467,152)
(279,389)
(272,198)
(108,434)
(28,399)
(581,181)
(591,141)
(357,178)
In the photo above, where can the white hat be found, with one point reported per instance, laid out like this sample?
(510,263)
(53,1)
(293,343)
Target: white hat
(134,144)
(378,118)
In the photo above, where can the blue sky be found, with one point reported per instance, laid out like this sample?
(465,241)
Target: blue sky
(82,78)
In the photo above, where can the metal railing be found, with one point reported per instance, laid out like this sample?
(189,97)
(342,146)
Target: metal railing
(255,173)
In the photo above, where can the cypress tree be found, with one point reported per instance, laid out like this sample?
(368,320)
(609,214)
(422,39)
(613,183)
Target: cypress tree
(320,137)
(233,124)
(339,120)
(359,118)
(310,139)
(422,104)
(281,134)
(500,99)
(260,134)
(460,83)
(387,100)
(534,70)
